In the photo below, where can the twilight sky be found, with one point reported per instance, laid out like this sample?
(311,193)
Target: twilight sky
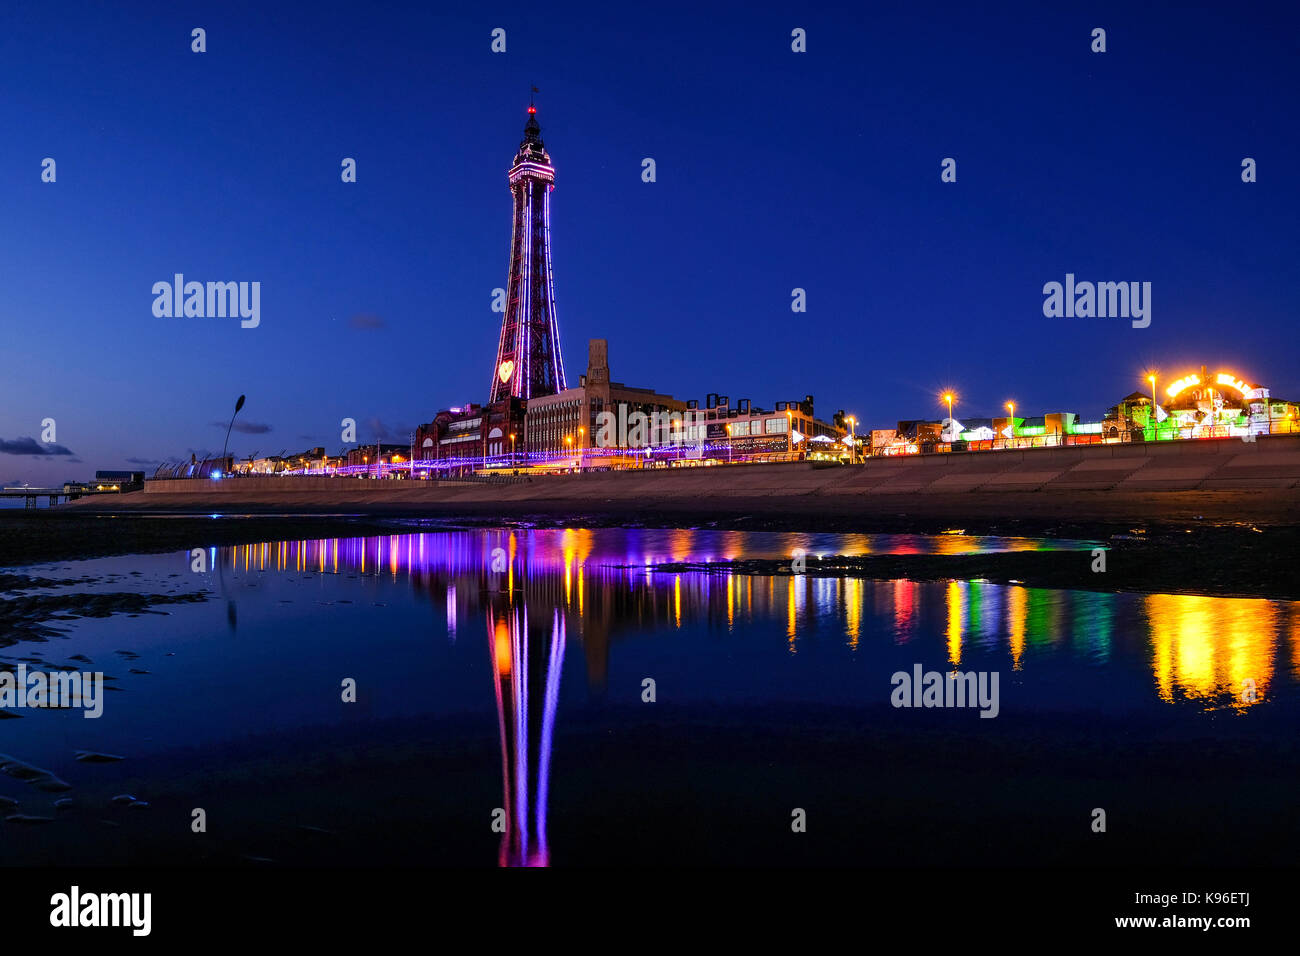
(775,170)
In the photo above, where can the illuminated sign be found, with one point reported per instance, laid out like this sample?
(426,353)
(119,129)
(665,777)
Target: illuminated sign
(506,370)
(1226,379)
(1183,383)
(1222,379)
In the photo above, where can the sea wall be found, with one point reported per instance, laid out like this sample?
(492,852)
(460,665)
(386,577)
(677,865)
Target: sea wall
(1260,477)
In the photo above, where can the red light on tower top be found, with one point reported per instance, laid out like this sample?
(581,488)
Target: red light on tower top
(532,108)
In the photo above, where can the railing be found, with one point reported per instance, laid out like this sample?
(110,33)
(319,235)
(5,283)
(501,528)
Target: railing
(1116,436)
(525,465)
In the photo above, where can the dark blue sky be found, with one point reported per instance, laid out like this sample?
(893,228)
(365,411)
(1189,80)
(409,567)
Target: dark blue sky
(775,170)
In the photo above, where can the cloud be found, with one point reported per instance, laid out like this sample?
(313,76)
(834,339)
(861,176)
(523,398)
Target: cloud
(144,461)
(379,430)
(246,428)
(29,446)
(367,322)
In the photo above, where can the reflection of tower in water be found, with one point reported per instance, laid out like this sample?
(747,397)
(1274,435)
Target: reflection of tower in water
(526,676)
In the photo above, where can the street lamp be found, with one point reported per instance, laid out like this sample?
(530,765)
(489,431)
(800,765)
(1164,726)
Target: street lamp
(238,405)
(789,432)
(512,449)
(1155,419)
(728,444)
(1011,407)
(853,437)
(949,398)
(582,448)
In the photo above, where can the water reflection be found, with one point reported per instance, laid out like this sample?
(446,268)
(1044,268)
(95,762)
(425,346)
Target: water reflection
(533,589)
(526,679)
(604,584)
(1207,648)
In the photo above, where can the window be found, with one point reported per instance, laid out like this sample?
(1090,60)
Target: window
(775,426)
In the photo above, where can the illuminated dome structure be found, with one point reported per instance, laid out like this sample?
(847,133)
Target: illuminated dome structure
(1216,405)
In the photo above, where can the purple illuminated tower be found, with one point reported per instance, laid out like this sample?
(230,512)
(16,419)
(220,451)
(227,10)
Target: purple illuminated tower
(529,363)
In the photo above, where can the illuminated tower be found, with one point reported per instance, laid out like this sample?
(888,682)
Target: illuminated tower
(529,363)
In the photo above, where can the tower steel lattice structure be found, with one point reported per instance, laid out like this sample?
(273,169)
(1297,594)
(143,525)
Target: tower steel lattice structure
(529,363)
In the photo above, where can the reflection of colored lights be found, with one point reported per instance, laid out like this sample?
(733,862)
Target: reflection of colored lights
(731,601)
(956,620)
(791,612)
(1093,612)
(1206,647)
(501,647)
(852,608)
(904,608)
(1017,612)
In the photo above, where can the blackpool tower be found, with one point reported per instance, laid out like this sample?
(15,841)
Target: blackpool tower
(529,364)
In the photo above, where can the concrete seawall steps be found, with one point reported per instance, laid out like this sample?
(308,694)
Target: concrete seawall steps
(1269,463)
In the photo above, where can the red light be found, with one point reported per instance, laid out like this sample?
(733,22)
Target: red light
(532,109)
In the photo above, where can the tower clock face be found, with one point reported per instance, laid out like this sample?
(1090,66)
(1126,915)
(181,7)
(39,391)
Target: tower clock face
(506,369)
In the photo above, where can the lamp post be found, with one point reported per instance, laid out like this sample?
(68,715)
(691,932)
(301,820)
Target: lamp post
(239,403)
(568,441)
(789,432)
(853,438)
(728,443)
(582,448)
(1011,427)
(949,398)
(512,449)
(1155,419)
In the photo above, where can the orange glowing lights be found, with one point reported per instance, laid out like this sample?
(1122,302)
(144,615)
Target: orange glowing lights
(501,648)
(1187,381)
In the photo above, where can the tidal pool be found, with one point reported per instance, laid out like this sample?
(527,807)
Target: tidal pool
(522,696)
